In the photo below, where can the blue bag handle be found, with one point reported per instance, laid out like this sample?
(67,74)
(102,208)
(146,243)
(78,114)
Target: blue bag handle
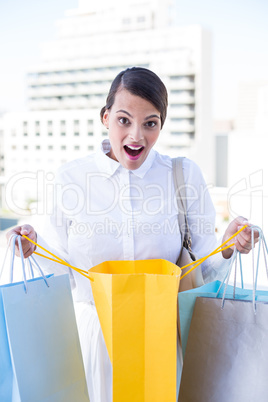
(5,257)
(12,244)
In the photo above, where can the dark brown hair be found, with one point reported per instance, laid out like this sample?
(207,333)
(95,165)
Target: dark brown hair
(141,82)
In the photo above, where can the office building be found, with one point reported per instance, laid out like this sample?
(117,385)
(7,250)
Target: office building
(95,42)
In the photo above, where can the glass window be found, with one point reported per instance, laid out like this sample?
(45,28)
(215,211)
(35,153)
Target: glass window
(77,147)
(37,134)
(90,133)
(62,134)
(90,148)
(25,147)
(37,147)
(63,122)
(49,123)
(63,147)
(141,18)
(50,147)
(50,133)
(76,133)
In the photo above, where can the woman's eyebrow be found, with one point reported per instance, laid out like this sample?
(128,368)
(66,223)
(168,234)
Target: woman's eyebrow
(151,116)
(146,118)
(124,111)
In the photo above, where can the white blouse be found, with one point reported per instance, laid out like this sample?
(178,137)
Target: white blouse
(103,211)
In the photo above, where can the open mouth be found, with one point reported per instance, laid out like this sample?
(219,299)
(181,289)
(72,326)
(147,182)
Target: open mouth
(133,150)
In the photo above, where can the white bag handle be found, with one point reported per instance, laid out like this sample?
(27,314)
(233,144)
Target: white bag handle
(263,244)
(12,245)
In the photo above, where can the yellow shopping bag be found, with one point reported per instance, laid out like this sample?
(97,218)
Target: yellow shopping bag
(136,303)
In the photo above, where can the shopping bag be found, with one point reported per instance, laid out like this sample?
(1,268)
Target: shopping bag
(186,305)
(186,302)
(136,303)
(41,341)
(226,353)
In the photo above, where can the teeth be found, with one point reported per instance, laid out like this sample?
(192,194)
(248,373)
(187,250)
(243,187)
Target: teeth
(134,148)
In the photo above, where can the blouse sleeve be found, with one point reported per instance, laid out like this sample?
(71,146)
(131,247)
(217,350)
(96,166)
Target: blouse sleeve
(201,218)
(55,236)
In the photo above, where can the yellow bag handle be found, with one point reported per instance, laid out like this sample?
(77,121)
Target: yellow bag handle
(217,250)
(58,259)
(85,273)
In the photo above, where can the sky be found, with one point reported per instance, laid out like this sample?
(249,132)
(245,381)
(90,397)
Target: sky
(239,34)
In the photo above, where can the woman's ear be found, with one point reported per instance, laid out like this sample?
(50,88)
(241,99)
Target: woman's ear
(105,118)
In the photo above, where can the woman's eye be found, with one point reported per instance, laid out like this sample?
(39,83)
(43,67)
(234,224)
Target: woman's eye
(151,124)
(123,120)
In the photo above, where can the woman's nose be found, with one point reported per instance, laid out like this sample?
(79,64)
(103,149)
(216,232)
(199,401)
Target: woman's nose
(136,134)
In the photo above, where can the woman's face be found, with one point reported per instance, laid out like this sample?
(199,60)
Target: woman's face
(134,126)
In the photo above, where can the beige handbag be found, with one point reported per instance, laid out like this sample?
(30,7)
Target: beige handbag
(195,278)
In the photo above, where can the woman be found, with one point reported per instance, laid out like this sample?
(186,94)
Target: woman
(119,204)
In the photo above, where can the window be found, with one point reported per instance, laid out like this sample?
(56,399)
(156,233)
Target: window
(63,122)
(90,148)
(104,134)
(50,147)
(37,134)
(63,147)
(37,123)
(50,133)
(76,133)
(141,18)
(25,134)
(37,147)
(77,147)
(90,122)
(90,133)
(126,21)
(62,134)
(13,147)
(176,77)
(49,123)
(25,124)
(25,147)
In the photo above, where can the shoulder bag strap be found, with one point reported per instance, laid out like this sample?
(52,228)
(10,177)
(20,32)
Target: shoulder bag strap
(180,192)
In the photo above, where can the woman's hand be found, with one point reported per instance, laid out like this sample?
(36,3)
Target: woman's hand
(27,247)
(242,240)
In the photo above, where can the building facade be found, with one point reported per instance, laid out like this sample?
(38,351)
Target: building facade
(94,43)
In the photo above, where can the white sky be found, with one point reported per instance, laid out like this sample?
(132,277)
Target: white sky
(240,43)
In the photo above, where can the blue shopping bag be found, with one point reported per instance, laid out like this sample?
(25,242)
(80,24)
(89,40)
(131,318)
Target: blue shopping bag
(40,344)
(6,374)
